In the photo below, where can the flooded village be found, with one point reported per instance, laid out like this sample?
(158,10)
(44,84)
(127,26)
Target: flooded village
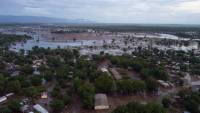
(72,69)
(92,41)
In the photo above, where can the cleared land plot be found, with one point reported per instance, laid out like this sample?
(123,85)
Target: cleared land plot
(128,73)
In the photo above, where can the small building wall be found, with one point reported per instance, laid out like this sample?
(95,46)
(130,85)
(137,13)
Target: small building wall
(101,107)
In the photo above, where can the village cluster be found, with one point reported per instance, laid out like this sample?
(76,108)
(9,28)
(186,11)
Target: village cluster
(54,69)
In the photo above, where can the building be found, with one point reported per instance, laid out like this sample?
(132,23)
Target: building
(187,79)
(195,86)
(40,109)
(164,84)
(115,74)
(44,95)
(15,73)
(3,99)
(104,70)
(24,108)
(101,102)
(9,94)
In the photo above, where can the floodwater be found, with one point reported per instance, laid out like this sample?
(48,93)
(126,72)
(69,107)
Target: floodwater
(29,44)
(40,41)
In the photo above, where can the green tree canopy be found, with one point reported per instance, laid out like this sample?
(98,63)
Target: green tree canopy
(104,83)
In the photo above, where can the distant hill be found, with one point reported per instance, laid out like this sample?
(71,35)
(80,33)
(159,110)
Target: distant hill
(36,19)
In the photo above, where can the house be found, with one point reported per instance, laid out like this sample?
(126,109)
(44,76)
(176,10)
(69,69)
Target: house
(115,74)
(44,95)
(38,63)
(25,108)
(71,75)
(195,86)
(187,79)
(15,73)
(36,72)
(40,109)
(104,70)
(101,102)
(163,83)
(9,94)
(3,99)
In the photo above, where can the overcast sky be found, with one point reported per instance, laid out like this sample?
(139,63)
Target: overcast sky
(109,11)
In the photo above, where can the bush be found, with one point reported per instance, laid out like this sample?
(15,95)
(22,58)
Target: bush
(135,107)
(104,84)
(57,106)
(166,102)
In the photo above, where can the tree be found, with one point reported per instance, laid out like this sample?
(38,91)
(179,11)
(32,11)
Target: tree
(36,80)
(14,105)
(48,75)
(25,83)
(125,86)
(62,72)
(154,108)
(6,110)
(87,92)
(129,86)
(57,106)
(66,98)
(145,73)
(31,92)
(88,102)
(86,89)
(14,86)
(192,102)
(2,83)
(166,102)
(56,91)
(81,73)
(104,83)
(27,69)
(151,84)
(77,83)
(135,107)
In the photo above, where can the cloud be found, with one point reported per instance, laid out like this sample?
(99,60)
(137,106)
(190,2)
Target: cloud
(189,7)
(118,11)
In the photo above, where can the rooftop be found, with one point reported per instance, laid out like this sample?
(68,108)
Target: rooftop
(40,109)
(196,83)
(2,99)
(101,101)
(116,75)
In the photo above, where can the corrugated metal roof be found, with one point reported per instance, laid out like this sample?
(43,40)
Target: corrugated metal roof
(40,109)
(101,99)
(116,75)
(2,99)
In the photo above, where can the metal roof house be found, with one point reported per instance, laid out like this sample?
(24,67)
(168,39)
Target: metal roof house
(195,86)
(3,99)
(115,74)
(40,109)
(101,102)
(104,69)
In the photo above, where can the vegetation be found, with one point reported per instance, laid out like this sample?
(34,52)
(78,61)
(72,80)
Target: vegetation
(191,100)
(129,86)
(57,106)
(6,40)
(135,107)
(86,91)
(104,84)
